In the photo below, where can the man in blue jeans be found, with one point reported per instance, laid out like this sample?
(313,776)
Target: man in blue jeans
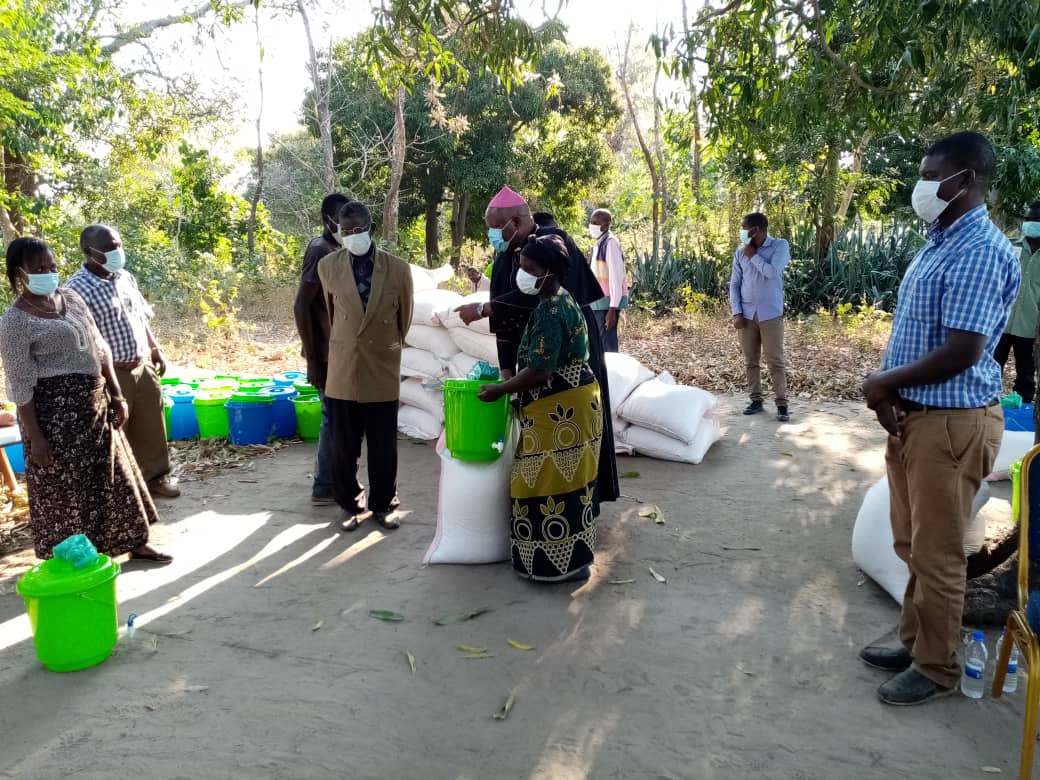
(312,323)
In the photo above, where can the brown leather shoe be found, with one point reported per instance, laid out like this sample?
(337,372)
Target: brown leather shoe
(164,487)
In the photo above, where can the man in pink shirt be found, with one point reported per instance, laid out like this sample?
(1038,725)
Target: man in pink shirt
(608,263)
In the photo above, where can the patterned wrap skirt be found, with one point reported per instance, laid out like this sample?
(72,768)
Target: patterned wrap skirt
(93,485)
(554,481)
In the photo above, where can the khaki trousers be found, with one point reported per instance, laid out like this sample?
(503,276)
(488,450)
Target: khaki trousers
(764,338)
(145,428)
(934,473)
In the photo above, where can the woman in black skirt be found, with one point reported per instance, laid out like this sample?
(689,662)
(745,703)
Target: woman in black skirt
(80,473)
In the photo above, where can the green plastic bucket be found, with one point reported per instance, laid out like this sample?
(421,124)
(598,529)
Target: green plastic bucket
(305,388)
(308,416)
(474,430)
(218,386)
(72,612)
(170,380)
(255,384)
(167,407)
(212,417)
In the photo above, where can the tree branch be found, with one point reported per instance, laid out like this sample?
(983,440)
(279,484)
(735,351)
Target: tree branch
(144,29)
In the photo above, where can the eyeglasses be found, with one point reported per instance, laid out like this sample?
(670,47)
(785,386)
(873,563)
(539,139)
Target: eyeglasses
(355,231)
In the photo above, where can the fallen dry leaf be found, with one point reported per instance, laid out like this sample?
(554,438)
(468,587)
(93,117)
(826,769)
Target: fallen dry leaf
(317,625)
(411,660)
(518,645)
(507,705)
(657,576)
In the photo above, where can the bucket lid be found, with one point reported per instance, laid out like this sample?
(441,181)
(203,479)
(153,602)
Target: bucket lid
(60,578)
(306,399)
(290,377)
(170,380)
(469,385)
(218,386)
(180,394)
(279,392)
(211,398)
(251,398)
(305,387)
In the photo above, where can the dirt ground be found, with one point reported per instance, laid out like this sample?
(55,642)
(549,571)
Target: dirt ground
(743,664)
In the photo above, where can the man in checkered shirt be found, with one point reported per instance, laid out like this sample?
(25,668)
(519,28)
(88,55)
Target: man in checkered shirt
(122,315)
(937,395)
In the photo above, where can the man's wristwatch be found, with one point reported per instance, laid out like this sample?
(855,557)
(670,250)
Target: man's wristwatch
(480,310)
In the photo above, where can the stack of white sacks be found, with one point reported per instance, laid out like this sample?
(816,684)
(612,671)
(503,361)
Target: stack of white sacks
(653,416)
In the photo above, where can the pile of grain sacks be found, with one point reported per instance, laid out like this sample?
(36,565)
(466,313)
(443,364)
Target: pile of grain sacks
(653,416)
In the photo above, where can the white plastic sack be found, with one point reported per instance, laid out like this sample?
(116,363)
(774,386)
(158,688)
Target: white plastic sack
(1013,445)
(430,401)
(473,509)
(428,302)
(420,363)
(442,274)
(472,343)
(432,339)
(624,374)
(656,445)
(672,410)
(421,278)
(449,318)
(872,539)
(460,366)
(418,424)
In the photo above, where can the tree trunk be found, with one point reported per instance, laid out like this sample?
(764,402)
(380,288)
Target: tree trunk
(254,205)
(662,170)
(392,204)
(19,183)
(828,202)
(322,114)
(695,112)
(459,210)
(855,170)
(644,148)
(433,239)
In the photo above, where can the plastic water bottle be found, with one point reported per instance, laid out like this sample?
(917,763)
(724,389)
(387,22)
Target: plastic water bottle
(131,629)
(973,679)
(1011,678)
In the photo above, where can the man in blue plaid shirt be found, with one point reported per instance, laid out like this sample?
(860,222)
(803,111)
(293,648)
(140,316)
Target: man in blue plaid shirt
(937,395)
(122,315)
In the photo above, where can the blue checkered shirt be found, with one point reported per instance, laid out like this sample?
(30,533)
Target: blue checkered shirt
(965,278)
(119,309)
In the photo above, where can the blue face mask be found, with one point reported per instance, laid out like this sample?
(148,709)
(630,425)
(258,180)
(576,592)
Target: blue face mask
(42,284)
(498,243)
(1031,229)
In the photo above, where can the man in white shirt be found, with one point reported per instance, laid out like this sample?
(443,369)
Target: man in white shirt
(608,263)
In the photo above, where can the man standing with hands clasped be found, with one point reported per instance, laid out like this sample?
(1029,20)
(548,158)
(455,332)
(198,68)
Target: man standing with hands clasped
(123,316)
(756,292)
(937,396)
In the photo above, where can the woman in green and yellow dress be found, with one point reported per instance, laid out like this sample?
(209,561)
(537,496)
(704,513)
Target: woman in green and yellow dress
(561,424)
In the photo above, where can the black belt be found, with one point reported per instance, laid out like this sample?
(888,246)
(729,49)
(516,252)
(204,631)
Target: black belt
(913,406)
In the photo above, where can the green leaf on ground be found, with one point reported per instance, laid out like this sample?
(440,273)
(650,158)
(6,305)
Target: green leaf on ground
(448,620)
(629,475)
(385,614)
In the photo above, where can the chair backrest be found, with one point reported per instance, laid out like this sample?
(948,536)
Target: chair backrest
(1029,520)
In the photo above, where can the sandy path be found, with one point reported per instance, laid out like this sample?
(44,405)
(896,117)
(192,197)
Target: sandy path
(743,664)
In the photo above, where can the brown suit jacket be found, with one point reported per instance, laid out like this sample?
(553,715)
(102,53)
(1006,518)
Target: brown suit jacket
(365,343)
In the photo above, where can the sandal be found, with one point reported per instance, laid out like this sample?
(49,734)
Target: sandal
(387,520)
(158,558)
(351,523)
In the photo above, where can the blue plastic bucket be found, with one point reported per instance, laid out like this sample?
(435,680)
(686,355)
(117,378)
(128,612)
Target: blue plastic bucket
(283,413)
(289,378)
(16,457)
(249,423)
(183,422)
(1020,419)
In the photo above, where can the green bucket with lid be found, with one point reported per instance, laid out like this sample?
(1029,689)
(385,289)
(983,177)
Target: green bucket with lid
(72,611)
(308,416)
(305,388)
(212,417)
(474,430)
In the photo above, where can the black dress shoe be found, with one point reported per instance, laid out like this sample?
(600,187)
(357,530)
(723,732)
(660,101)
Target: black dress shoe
(754,407)
(911,687)
(889,659)
(782,415)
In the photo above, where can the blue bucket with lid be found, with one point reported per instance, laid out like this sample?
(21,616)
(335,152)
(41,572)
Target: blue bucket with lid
(289,378)
(283,413)
(249,423)
(183,422)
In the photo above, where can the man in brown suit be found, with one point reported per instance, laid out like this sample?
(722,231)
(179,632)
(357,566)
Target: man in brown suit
(369,296)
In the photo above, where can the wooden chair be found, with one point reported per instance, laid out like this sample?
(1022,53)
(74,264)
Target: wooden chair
(1018,628)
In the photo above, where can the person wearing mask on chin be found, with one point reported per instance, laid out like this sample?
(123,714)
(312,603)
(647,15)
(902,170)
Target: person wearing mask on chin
(1020,333)
(608,263)
(312,323)
(756,292)
(368,293)
(123,316)
(510,224)
(937,395)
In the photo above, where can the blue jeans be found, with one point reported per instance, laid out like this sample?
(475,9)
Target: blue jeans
(609,337)
(322,487)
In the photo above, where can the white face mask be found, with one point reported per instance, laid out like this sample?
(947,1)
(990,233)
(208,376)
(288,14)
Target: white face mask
(115,259)
(357,244)
(926,201)
(528,283)
(595,230)
(745,236)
